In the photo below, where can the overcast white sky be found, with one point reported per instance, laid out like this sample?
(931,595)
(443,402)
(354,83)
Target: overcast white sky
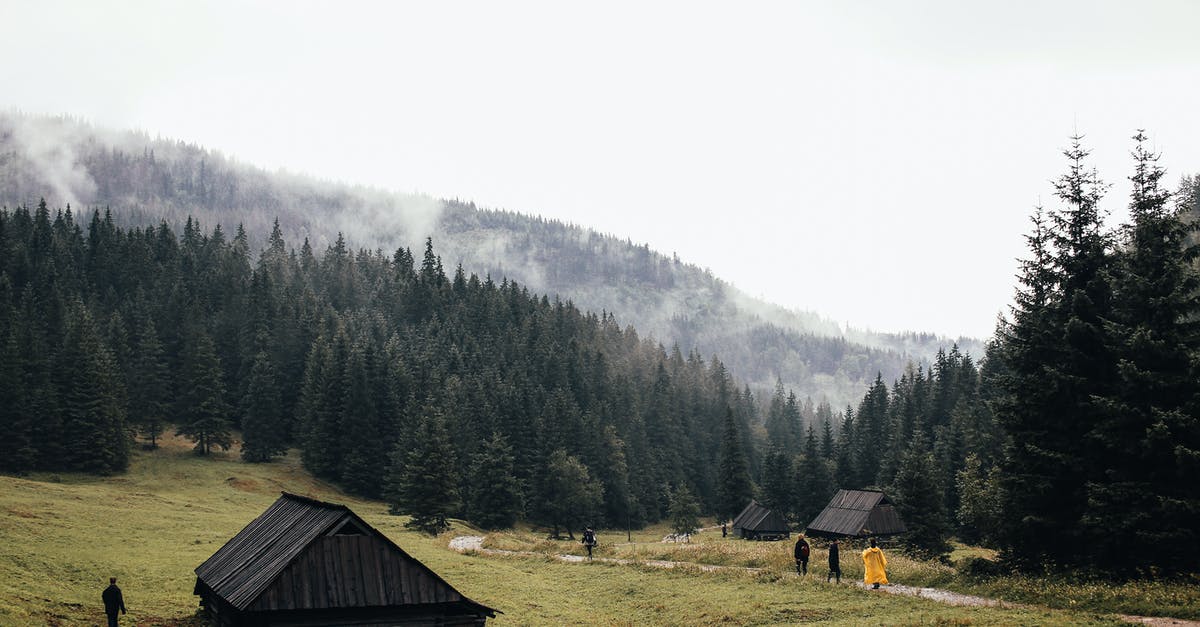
(873,161)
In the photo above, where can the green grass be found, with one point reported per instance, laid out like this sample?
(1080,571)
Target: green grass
(62,536)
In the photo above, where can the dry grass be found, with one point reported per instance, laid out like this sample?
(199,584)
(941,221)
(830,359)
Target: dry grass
(63,536)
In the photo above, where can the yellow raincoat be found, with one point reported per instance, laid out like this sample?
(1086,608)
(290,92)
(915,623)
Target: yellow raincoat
(874,563)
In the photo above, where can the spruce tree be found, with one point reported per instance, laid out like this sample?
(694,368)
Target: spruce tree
(149,384)
(734,489)
(494,496)
(203,414)
(919,504)
(1143,506)
(423,480)
(778,483)
(263,435)
(684,513)
(95,437)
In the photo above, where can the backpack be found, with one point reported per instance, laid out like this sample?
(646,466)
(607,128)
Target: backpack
(804,550)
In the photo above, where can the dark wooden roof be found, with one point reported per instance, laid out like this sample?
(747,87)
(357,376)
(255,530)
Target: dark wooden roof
(856,514)
(302,553)
(758,518)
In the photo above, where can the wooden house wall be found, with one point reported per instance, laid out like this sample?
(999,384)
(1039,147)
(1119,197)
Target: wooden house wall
(343,571)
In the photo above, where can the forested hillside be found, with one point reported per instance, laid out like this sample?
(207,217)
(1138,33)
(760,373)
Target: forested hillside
(144,180)
(515,404)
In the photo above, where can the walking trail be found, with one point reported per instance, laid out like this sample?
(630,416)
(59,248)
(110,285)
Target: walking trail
(463,544)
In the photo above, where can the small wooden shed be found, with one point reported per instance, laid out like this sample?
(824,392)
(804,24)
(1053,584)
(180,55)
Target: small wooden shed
(304,562)
(759,523)
(857,514)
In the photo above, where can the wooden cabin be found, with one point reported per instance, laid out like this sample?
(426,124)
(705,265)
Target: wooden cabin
(857,514)
(304,562)
(759,523)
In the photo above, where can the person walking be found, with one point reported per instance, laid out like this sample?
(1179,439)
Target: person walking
(589,540)
(835,565)
(874,566)
(801,555)
(113,601)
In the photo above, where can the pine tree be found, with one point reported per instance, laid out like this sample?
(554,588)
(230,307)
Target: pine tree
(734,489)
(571,498)
(919,504)
(263,435)
(203,414)
(423,481)
(685,513)
(1057,364)
(778,486)
(149,384)
(814,481)
(494,496)
(94,416)
(360,427)
(1142,507)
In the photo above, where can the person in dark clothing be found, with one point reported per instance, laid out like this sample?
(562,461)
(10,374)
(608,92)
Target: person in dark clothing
(835,566)
(801,554)
(589,540)
(113,601)
(724,530)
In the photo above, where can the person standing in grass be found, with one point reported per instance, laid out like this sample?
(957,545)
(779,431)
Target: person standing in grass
(801,555)
(875,565)
(589,540)
(113,601)
(835,564)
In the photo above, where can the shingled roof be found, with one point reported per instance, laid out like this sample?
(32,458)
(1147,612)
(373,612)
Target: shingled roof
(755,517)
(856,514)
(302,553)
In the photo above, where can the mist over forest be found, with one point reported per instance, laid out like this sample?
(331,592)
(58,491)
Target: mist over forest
(144,180)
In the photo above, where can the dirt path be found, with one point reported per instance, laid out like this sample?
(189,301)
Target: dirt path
(475,543)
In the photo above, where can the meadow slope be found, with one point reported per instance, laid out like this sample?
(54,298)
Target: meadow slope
(62,536)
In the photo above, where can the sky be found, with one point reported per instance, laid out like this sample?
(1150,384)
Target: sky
(876,162)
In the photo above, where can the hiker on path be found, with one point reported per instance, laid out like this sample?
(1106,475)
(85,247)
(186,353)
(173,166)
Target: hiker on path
(874,564)
(835,565)
(113,601)
(589,540)
(801,554)
(724,530)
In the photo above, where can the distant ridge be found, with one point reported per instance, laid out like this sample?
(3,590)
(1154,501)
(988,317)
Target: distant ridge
(144,180)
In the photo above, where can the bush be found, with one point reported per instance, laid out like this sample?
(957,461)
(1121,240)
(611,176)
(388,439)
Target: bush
(980,568)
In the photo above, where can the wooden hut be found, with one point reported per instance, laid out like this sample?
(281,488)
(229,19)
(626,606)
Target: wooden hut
(857,514)
(759,523)
(305,562)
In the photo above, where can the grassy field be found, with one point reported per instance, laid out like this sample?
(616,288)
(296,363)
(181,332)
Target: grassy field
(62,536)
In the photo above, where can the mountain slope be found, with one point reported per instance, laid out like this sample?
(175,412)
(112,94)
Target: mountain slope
(144,180)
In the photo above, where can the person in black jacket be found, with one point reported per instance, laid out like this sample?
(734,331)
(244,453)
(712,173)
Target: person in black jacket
(113,601)
(801,554)
(835,566)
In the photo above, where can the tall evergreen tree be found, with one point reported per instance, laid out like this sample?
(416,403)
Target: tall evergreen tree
(734,489)
(94,429)
(203,414)
(1143,505)
(494,495)
(149,384)
(423,480)
(685,513)
(263,434)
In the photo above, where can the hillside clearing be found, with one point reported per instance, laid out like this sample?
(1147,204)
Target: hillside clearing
(64,535)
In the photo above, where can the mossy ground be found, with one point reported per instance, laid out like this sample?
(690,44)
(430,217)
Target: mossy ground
(62,536)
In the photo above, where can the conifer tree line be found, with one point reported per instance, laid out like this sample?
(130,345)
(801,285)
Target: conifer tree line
(447,395)
(1076,443)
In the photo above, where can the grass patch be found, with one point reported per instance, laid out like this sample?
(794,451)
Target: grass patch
(64,535)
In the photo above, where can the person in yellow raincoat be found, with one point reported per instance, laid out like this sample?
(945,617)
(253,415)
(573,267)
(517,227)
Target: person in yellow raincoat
(874,564)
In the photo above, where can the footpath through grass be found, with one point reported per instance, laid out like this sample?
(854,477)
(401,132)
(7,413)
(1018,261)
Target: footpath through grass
(61,537)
